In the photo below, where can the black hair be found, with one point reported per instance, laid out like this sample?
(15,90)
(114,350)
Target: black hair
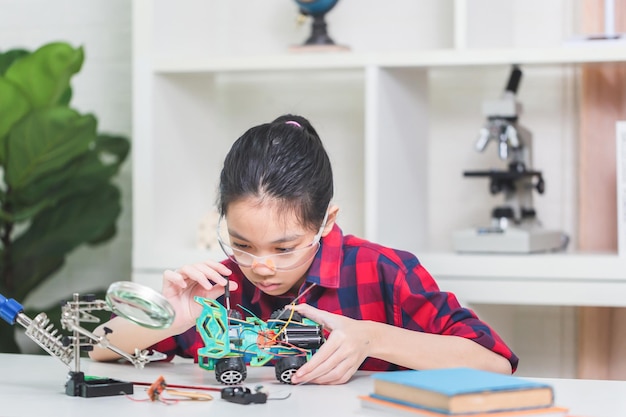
(283,160)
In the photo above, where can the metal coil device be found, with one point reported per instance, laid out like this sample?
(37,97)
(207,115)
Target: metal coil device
(135,302)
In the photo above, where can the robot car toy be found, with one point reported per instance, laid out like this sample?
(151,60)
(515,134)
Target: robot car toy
(230,342)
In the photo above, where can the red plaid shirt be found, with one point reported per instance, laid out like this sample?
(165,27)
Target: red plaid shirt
(364,281)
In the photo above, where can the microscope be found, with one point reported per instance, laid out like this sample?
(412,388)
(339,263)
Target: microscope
(514,226)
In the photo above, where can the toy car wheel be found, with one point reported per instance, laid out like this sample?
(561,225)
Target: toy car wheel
(287,366)
(284,314)
(231,370)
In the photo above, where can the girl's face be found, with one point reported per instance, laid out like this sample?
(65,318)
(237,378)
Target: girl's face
(261,230)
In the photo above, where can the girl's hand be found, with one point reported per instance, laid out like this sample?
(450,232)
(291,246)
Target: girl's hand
(347,346)
(205,279)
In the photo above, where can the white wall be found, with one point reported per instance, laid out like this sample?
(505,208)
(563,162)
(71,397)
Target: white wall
(102,87)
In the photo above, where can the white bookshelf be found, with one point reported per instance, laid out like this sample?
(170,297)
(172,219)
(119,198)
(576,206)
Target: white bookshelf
(380,116)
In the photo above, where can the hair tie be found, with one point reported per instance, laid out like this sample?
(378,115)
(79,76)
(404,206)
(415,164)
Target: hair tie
(292,122)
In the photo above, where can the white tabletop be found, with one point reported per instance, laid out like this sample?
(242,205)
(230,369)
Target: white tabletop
(34,385)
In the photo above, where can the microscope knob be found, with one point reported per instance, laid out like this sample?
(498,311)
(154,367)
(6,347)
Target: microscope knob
(517,166)
(495,187)
(502,213)
(541,186)
(528,213)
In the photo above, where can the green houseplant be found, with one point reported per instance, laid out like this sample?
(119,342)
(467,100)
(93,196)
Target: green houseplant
(56,172)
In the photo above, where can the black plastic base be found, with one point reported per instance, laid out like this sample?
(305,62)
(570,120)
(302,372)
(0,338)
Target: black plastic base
(243,395)
(319,33)
(77,386)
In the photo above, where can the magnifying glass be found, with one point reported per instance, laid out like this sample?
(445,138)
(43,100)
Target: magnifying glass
(140,304)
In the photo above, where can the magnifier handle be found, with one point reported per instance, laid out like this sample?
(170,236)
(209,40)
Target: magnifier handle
(9,309)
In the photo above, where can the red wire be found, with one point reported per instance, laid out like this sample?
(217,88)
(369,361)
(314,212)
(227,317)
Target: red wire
(180,386)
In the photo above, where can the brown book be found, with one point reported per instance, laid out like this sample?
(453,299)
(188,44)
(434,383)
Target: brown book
(461,390)
(392,408)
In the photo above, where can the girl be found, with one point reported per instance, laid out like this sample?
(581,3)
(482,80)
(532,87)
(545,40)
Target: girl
(382,309)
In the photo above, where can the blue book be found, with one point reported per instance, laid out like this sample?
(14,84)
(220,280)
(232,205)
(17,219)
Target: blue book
(461,390)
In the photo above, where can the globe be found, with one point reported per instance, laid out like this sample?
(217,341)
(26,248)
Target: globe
(316,7)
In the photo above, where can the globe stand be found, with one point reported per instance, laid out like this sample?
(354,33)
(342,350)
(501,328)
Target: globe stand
(319,32)
(319,40)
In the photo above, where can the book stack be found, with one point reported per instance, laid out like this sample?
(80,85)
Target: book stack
(460,392)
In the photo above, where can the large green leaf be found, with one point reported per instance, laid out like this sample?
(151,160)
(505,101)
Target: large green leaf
(91,169)
(105,236)
(73,221)
(44,76)
(81,175)
(7,58)
(45,141)
(110,151)
(25,277)
(57,231)
(19,214)
(13,106)
(117,146)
